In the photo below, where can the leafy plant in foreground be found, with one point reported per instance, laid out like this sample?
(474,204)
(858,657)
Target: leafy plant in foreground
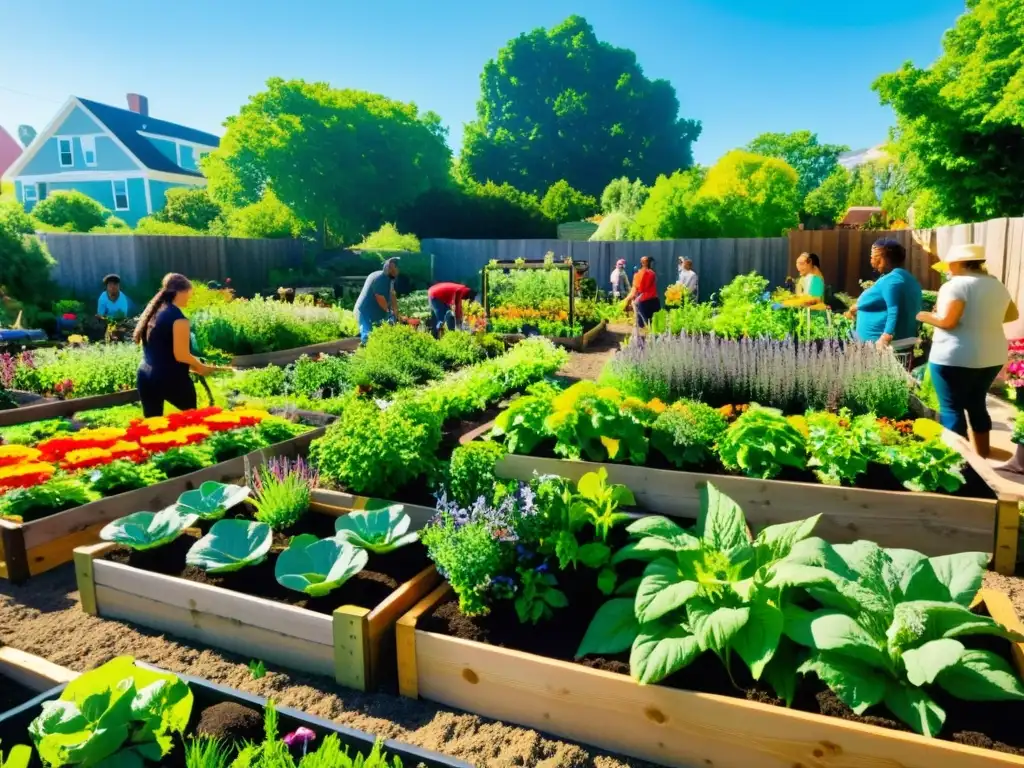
(761,442)
(282,491)
(230,546)
(121,476)
(701,590)
(318,566)
(212,500)
(590,422)
(56,495)
(148,530)
(181,461)
(892,624)
(379,531)
(522,424)
(838,447)
(118,714)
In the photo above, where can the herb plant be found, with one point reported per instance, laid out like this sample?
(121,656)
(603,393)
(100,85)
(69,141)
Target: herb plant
(379,531)
(701,590)
(892,625)
(318,566)
(224,446)
(262,382)
(121,476)
(277,430)
(230,546)
(686,433)
(181,461)
(212,500)
(760,443)
(523,423)
(282,489)
(56,495)
(471,471)
(118,714)
(149,530)
(838,446)
(320,377)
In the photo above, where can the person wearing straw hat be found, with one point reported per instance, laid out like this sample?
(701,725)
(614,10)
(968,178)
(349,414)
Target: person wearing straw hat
(969,347)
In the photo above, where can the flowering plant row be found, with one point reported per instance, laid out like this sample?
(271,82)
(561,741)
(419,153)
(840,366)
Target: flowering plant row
(25,466)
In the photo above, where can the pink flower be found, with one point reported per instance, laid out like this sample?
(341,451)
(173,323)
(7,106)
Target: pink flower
(70,316)
(301,736)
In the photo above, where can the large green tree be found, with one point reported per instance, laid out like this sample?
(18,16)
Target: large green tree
(561,104)
(960,121)
(667,213)
(749,195)
(624,196)
(812,160)
(562,203)
(344,159)
(829,202)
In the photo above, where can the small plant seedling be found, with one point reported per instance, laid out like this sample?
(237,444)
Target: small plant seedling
(257,669)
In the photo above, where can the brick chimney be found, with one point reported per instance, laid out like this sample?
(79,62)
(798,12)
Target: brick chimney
(138,104)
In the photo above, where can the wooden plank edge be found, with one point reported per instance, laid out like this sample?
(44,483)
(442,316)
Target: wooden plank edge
(33,672)
(383,617)
(15,553)
(476,434)
(340,502)
(1001,609)
(288,356)
(405,641)
(60,551)
(352,648)
(84,576)
(1006,537)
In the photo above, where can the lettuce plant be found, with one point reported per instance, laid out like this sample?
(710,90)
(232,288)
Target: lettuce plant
(838,448)
(701,590)
(116,715)
(230,546)
(318,566)
(211,501)
(927,465)
(761,442)
(892,624)
(379,531)
(149,530)
(522,424)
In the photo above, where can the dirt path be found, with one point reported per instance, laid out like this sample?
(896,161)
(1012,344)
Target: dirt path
(588,364)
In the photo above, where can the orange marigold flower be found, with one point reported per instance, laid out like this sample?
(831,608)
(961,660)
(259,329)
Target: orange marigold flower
(26,475)
(18,454)
(87,457)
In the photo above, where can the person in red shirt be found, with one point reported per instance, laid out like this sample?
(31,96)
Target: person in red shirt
(644,294)
(446,304)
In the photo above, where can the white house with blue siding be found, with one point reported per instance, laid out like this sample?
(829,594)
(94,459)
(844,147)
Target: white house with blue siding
(124,159)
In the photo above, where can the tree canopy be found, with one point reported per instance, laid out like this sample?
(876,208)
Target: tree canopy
(666,214)
(191,207)
(830,201)
(624,196)
(562,203)
(560,104)
(346,159)
(960,121)
(812,161)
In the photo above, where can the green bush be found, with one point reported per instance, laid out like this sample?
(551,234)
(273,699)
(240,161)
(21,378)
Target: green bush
(97,370)
(56,495)
(268,217)
(70,210)
(471,471)
(112,226)
(460,348)
(262,382)
(476,210)
(388,238)
(25,264)
(190,207)
(181,461)
(562,203)
(150,225)
(686,433)
(395,356)
(324,376)
(121,476)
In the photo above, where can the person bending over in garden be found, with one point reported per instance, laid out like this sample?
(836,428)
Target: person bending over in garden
(377,302)
(644,295)
(969,348)
(112,304)
(446,304)
(811,282)
(888,309)
(165,336)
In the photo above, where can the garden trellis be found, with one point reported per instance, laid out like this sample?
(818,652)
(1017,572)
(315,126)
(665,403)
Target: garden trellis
(507,267)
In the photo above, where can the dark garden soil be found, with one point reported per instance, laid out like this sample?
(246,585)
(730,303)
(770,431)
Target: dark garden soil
(992,725)
(13,694)
(367,589)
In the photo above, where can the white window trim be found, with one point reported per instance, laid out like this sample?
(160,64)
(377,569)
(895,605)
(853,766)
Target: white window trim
(25,188)
(127,198)
(89,145)
(60,154)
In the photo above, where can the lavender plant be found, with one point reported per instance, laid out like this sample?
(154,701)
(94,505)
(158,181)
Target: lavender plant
(781,374)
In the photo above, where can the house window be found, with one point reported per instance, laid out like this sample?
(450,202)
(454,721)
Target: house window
(120,195)
(29,194)
(67,155)
(89,150)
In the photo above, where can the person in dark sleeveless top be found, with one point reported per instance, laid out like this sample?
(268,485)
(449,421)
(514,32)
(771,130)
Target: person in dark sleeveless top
(164,333)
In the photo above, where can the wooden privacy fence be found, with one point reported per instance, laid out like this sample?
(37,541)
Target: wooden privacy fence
(141,260)
(717,261)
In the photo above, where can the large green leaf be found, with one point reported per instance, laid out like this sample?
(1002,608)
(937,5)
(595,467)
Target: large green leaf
(231,545)
(919,621)
(661,650)
(915,708)
(981,676)
(645,550)
(663,529)
(720,523)
(717,629)
(780,673)
(612,630)
(211,500)
(859,686)
(776,541)
(949,577)
(924,664)
(759,637)
(380,530)
(662,590)
(829,630)
(148,530)
(319,566)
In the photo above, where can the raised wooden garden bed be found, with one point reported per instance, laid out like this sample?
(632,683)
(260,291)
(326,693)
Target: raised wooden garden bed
(667,726)
(574,343)
(932,523)
(288,356)
(351,645)
(28,549)
(56,409)
(33,672)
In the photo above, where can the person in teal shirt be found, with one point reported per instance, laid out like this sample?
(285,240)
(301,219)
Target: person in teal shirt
(811,282)
(112,304)
(888,310)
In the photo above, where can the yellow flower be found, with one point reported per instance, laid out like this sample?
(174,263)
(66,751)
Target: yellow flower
(17,454)
(657,406)
(99,433)
(610,445)
(927,429)
(799,423)
(77,338)
(610,393)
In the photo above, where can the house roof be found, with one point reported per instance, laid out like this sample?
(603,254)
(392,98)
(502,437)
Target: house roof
(126,125)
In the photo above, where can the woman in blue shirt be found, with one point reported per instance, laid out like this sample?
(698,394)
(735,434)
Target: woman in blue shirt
(112,303)
(888,309)
(811,282)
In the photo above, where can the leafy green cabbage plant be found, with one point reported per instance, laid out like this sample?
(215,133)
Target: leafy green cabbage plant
(148,530)
(231,545)
(379,531)
(318,566)
(116,716)
(927,465)
(839,445)
(892,624)
(703,590)
(211,500)
(761,442)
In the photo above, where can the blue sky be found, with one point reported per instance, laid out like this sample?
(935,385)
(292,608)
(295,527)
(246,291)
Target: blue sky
(741,66)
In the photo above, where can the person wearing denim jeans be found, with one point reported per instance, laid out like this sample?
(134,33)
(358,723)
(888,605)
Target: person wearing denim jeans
(377,302)
(446,305)
(969,347)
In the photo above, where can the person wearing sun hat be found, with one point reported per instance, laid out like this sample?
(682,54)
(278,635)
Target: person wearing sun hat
(969,347)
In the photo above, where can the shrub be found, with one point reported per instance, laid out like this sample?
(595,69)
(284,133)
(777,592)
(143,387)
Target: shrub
(56,495)
(150,225)
(395,356)
(224,446)
(25,266)
(71,210)
(320,377)
(266,218)
(181,461)
(190,207)
(562,203)
(459,348)
(388,238)
(282,490)
(98,370)
(262,382)
(471,472)
(686,433)
(122,476)
(112,226)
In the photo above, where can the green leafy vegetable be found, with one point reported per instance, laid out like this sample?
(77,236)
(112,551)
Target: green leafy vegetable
(318,566)
(380,530)
(471,471)
(686,433)
(230,546)
(148,530)
(117,715)
(522,424)
(211,501)
(20,756)
(928,465)
(761,442)
(838,447)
